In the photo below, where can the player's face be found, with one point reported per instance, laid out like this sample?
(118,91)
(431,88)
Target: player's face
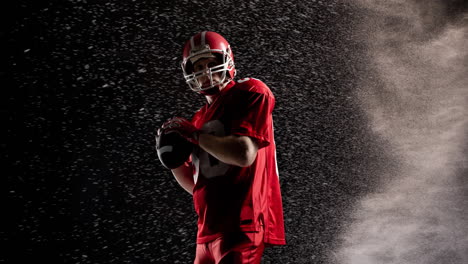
(204,65)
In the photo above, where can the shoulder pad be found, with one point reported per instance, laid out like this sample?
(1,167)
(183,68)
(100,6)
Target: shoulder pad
(253,85)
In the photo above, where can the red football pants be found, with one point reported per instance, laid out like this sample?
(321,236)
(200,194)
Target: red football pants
(238,248)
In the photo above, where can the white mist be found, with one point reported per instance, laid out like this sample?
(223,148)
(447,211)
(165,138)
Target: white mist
(420,213)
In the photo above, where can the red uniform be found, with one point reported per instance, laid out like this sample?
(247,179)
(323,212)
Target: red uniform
(228,198)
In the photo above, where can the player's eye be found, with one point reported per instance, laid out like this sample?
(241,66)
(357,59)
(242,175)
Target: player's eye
(212,64)
(198,67)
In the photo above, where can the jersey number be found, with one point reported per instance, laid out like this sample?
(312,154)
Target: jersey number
(205,164)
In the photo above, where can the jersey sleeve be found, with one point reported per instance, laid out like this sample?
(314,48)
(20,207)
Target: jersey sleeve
(253,114)
(197,116)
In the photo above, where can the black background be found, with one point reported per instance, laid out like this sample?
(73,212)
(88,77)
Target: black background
(86,83)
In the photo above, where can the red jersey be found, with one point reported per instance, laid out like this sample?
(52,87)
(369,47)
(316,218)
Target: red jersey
(229,198)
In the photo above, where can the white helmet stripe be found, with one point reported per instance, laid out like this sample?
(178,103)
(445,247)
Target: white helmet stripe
(203,34)
(192,43)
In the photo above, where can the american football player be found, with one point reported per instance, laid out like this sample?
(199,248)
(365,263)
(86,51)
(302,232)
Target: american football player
(232,172)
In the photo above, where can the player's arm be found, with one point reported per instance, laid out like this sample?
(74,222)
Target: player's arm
(250,117)
(184,176)
(183,173)
(234,150)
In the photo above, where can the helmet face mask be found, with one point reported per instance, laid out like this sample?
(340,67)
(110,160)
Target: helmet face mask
(211,45)
(192,78)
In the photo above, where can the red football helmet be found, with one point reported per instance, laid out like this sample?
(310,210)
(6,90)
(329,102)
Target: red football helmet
(207,44)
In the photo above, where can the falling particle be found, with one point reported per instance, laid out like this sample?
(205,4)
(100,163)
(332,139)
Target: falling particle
(142,70)
(26,50)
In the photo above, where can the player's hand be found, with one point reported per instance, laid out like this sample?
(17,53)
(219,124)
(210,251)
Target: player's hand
(183,127)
